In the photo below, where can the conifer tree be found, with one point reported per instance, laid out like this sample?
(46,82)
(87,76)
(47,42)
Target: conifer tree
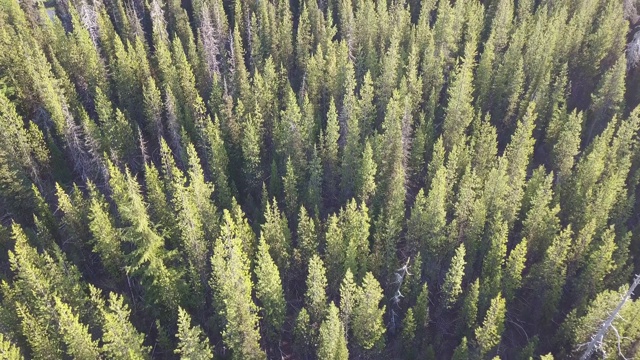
(452,286)
(276,233)
(106,237)
(462,350)
(515,265)
(489,334)
(335,250)
(76,335)
(329,139)
(307,237)
(332,343)
(231,281)
(8,350)
(193,344)
(290,182)
(269,291)
(459,111)
(470,307)
(408,329)
(120,338)
(518,154)
(421,309)
(354,222)
(365,184)
(494,259)
(349,295)
(368,325)
(303,333)
(316,295)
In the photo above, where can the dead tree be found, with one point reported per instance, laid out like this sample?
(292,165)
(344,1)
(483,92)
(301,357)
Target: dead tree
(597,341)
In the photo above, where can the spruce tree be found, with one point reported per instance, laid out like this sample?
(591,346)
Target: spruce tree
(452,286)
(276,233)
(332,343)
(120,338)
(315,297)
(368,325)
(269,291)
(489,334)
(192,343)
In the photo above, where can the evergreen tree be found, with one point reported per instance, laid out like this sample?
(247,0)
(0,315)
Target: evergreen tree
(231,281)
(269,290)
(368,325)
(290,182)
(276,233)
(307,237)
(120,338)
(332,343)
(421,309)
(191,344)
(459,111)
(470,307)
(489,334)
(512,279)
(315,297)
(452,286)
(8,350)
(75,334)
(408,329)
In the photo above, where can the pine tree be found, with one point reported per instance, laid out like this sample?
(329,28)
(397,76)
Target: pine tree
(349,295)
(354,222)
(470,307)
(365,185)
(276,233)
(489,334)
(494,259)
(75,334)
(462,350)
(368,325)
(335,250)
(307,237)
(315,297)
(421,309)
(329,139)
(513,271)
(314,186)
(332,343)
(269,291)
(518,154)
(290,182)
(106,237)
(549,276)
(120,338)
(452,286)
(231,281)
(459,111)
(608,99)
(8,350)
(599,264)
(193,344)
(541,222)
(408,329)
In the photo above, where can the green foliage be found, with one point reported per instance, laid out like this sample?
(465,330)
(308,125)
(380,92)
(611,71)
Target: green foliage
(316,295)
(489,334)
(452,286)
(208,156)
(332,343)
(191,344)
(120,339)
(368,326)
(269,290)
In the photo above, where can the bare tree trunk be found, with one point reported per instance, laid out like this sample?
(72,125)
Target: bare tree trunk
(598,339)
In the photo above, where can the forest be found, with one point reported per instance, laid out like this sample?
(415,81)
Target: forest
(319,179)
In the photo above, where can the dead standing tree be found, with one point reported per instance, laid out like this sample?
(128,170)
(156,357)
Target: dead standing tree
(597,341)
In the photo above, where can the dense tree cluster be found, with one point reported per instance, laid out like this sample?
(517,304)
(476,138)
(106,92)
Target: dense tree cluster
(327,179)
